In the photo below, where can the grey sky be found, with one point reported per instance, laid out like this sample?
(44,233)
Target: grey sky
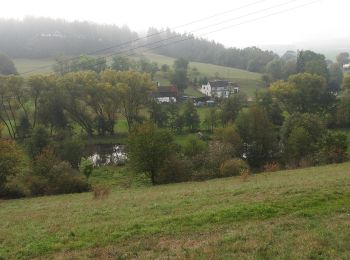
(317,22)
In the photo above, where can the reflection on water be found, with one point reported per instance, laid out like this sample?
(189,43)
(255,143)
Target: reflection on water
(106,154)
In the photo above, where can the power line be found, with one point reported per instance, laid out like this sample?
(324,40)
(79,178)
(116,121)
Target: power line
(235,25)
(155,34)
(193,37)
(227,27)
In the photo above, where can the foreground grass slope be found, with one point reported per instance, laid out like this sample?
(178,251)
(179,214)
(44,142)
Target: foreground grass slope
(290,215)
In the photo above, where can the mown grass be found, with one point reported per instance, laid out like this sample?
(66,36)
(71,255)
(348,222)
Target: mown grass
(298,214)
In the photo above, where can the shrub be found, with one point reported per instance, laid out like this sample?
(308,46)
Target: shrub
(101,192)
(44,162)
(52,176)
(233,167)
(86,167)
(332,148)
(71,150)
(218,153)
(38,141)
(230,136)
(194,146)
(67,180)
(175,169)
(10,160)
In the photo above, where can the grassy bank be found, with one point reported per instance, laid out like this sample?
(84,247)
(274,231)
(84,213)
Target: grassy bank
(290,214)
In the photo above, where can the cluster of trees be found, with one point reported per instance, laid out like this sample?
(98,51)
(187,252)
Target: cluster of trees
(177,45)
(86,98)
(306,62)
(65,64)
(287,126)
(41,165)
(46,38)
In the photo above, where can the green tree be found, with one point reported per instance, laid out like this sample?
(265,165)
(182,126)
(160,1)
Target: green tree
(212,119)
(299,136)
(298,145)
(191,117)
(133,89)
(313,63)
(303,93)
(346,83)
(335,77)
(179,77)
(74,88)
(38,141)
(231,106)
(121,63)
(332,148)
(275,69)
(148,147)
(71,150)
(13,100)
(194,146)
(257,133)
(266,79)
(343,58)
(158,114)
(229,137)
(7,67)
(10,161)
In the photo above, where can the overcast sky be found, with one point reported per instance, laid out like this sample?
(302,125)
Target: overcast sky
(318,21)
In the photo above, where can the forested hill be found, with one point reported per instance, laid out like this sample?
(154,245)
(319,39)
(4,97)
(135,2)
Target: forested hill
(45,38)
(201,50)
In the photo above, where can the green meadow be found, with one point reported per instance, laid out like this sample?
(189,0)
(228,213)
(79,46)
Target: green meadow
(295,214)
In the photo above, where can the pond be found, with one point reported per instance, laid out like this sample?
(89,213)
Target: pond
(106,154)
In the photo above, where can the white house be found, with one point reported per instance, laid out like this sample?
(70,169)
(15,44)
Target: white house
(219,88)
(346,66)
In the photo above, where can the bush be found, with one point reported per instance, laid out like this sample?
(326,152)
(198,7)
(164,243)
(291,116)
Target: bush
(11,158)
(229,136)
(194,146)
(332,148)
(86,167)
(38,141)
(175,169)
(233,167)
(71,150)
(52,176)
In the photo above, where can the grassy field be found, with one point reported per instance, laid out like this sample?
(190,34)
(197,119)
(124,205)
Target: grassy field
(248,81)
(297,214)
(33,66)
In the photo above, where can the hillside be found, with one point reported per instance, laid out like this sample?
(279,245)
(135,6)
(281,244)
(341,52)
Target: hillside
(296,214)
(249,81)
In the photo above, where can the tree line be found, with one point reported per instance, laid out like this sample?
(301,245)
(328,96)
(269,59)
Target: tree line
(45,38)
(289,124)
